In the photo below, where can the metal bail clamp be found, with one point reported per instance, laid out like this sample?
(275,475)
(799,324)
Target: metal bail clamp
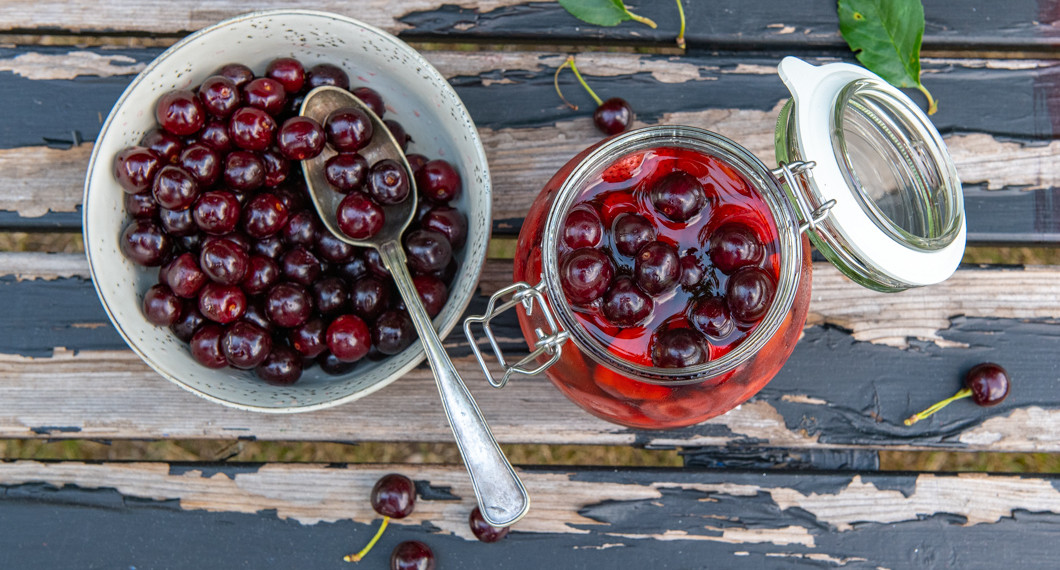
(550,343)
(810,217)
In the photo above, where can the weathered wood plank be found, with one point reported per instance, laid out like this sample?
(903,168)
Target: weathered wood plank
(285,516)
(1013,25)
(1012,187)
(867,361)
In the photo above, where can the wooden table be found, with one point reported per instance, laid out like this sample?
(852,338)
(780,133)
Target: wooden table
(788,479)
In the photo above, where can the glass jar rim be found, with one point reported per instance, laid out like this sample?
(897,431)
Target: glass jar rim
(761,179)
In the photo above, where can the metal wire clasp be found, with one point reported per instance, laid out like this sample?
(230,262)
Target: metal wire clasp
(810,217)
(547,343)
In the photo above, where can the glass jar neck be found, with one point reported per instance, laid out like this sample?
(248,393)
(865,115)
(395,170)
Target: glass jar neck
(761,180)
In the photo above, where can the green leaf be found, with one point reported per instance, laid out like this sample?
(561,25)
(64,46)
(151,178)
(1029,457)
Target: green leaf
(885,36)
(597,12)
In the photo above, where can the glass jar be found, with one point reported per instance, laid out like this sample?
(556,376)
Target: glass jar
(882,202)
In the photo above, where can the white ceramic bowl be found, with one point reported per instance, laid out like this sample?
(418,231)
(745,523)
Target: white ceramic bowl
(416,95)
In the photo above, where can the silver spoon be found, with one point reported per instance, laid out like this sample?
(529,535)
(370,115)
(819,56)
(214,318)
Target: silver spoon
(501,496)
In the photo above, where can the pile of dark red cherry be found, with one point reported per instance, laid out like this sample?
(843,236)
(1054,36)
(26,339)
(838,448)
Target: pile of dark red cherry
(669,259)
(249,275)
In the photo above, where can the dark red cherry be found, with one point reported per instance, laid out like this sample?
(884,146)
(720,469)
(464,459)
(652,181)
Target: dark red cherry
(262,273)
(398,132)
(205,346)
(300,138)
(749,294)
(224,262)
(393,332)
(245,345)
(369,297)
(183,276)
(237,238)
(301,266)
(346,171)
(277,167)
(371,97)
(330,295)
(143,242)
(613,116)
(215,135)
(387,182)
(189,321)
(710,315)
(625,305)
(264,215)
(348,338)
(447,221)
(141,205)
(679,196)
(302,229)
(582,228)
(219,95)
(359,217)
(288,305)
(678,348)
(327,74)
(135,168)
(244,171)
(348,129)
(632,232)
(692,272)
(427,251)
(282,367)
(255,315)
(177,223)
(353,269)
(271,247)
(433,293)
(217,212)
(251,128)
(412,555)
(375,263)
(483,530)
(191,242)
(416,162)
(332,249)
(733,246)
(288,71)
(294,195)
(657,268)
(165,144)
(161,306)
(309,338)
(222,303)
(585,274)
(180,112)
(331,365)
(237,73)
(266,94)
(394,496)
(438,181)
(988,382)
(202,162)
(175,188)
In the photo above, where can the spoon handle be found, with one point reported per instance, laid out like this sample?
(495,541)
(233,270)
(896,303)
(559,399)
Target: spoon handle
(501,496)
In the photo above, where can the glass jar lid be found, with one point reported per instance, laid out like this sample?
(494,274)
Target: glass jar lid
(897,220)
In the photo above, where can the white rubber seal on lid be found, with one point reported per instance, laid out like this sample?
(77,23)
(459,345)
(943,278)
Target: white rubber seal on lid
(815,91)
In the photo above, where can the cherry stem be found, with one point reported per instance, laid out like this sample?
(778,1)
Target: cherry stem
(641,19)
(364,551)
(555,81)
(574,68)
(681,34)
(933,105)
(924,414)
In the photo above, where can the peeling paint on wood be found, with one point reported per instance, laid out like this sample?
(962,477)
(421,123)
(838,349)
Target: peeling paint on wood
(70,65)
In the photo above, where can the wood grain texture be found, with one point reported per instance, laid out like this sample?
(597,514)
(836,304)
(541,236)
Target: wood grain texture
(1012,187)
(727,24)
(283,516)
(855,374)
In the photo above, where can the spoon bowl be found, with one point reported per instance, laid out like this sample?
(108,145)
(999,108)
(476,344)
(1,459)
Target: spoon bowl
(501,495)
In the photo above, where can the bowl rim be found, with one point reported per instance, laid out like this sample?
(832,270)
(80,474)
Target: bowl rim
(475,265)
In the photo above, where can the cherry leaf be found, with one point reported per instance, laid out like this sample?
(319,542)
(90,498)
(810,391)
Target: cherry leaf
(885,36)
(597,12)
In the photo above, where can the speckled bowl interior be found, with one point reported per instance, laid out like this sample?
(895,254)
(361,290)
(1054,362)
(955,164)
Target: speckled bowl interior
(416,95)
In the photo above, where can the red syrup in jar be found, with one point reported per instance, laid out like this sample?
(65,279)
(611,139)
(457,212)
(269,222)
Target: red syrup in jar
(729,232)
(624,187)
